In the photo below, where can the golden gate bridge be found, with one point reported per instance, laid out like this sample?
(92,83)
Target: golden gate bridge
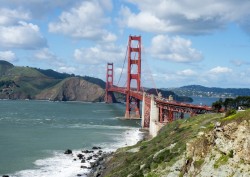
(156,111)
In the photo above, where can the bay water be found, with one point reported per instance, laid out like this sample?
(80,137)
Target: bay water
(35,134)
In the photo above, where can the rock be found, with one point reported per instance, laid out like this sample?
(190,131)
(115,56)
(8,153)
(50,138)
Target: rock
(87,151)
(5,175)
(89,158)
(83,161)
(80,156)
(95,147)
(83,166)
(78,175)
(68,151)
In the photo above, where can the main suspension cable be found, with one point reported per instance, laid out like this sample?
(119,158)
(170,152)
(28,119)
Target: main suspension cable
(123,65)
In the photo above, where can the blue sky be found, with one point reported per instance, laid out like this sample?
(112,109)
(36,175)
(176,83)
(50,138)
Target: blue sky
(184,42)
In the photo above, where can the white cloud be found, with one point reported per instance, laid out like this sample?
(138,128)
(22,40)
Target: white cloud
(220,70)
(85,21)
(100,54)
(23,35)
(185,16)
(8,56)
(38,8)
(10,17)
(45,54)
(187,72)
(174,49)
(240,62)
(66,69)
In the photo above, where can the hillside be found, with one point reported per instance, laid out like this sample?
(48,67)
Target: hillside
(166,94)
(198,90)
(205,145)
(73,89)
(31,83)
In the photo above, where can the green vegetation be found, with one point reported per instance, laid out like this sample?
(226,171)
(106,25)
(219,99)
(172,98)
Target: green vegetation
(230,104)
(25,82)
(156,156)
(221,161)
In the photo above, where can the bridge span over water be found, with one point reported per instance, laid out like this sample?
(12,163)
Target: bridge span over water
(156,111)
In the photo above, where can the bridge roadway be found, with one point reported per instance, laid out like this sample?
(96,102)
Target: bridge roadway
(162,102)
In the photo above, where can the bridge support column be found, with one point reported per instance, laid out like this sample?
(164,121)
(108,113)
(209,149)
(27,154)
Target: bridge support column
(145,118)
(155,125)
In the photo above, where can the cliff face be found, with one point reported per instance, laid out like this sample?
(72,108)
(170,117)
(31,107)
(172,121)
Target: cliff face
(73,89)
(225,151)
(203,146)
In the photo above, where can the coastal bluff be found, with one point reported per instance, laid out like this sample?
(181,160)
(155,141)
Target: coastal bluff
(203,146)
(73,89)
(19,82)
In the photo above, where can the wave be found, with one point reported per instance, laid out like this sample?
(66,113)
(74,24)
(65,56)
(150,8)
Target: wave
(95,126)
(61,165)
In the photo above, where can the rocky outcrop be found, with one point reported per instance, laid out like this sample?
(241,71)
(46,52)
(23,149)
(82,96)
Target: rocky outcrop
(73,89)
(225,151)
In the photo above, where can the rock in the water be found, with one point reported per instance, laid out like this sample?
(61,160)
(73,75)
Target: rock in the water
(68,151)
(89,158)
(83,161)
(5,175)
(80,156)
(95,147)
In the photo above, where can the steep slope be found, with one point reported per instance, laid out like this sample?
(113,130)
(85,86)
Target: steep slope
(23,82)
(5,66)
(206,145)
(73,89)
(31,83)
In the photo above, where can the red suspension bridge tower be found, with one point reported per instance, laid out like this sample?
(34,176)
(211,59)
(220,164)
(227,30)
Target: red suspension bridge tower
(134,60)
(109,82)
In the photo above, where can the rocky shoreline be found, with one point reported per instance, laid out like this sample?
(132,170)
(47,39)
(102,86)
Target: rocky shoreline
(103,165)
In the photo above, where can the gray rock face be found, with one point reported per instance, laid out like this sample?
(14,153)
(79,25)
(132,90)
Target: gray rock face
(73,89)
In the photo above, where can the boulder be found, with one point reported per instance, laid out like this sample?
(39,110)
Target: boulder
(68,151)
(80,156)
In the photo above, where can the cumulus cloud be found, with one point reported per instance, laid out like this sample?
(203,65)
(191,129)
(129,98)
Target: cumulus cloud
(185,16)
(220,70)
(85,21)
(25,36)
(174,49)
(16,33)
(187,72)
(8,56)
(100,54)
(9,16)
(38,8)
(239,62)
(46,56)
(67,69)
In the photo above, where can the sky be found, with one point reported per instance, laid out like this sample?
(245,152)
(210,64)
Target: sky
(184,42)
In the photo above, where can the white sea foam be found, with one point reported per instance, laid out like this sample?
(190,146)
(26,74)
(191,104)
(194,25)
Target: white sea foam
(61,165)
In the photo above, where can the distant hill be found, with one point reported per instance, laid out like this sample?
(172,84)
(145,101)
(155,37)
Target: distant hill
(166,94)
(198,90)
(32,83)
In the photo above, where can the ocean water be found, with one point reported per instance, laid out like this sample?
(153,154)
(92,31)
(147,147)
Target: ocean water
(34,135)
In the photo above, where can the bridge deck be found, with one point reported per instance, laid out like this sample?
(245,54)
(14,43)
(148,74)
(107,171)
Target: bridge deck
(159,101)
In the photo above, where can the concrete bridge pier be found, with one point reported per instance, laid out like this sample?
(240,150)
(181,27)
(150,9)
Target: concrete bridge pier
(155,124)
(150,115)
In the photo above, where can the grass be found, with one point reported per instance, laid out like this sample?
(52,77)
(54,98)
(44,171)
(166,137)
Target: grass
(179,132)
(221,161)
